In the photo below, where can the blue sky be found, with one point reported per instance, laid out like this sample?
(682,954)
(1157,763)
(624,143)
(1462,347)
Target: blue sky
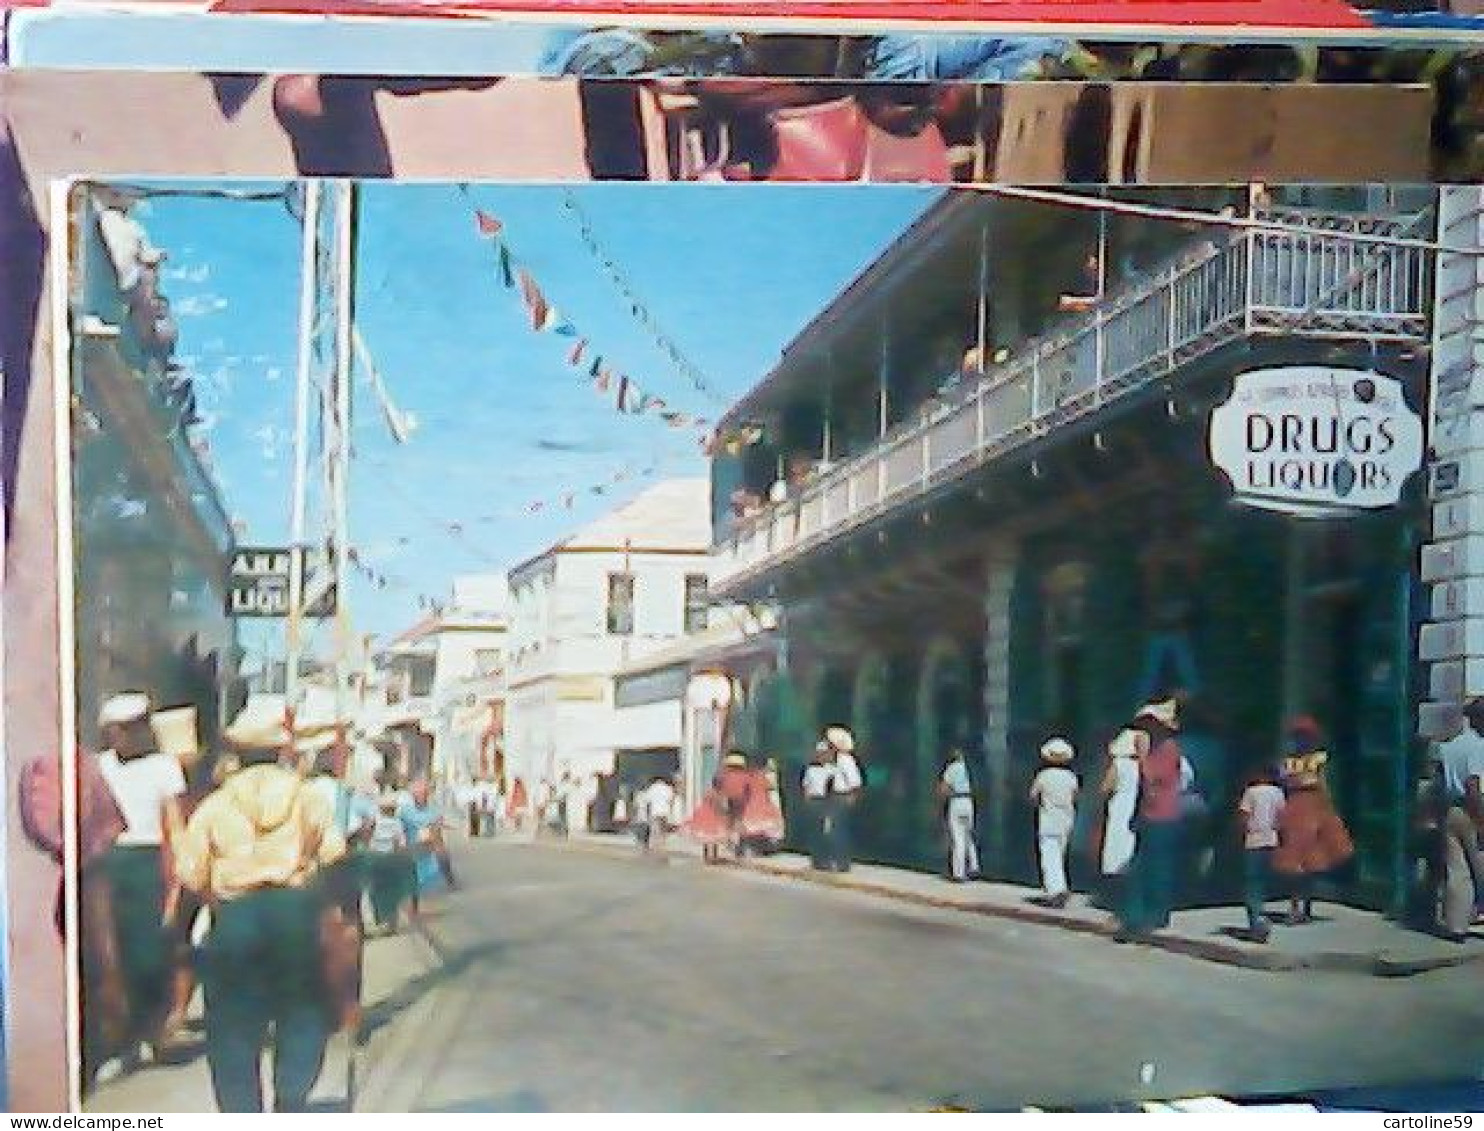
(207,42)
(729,273)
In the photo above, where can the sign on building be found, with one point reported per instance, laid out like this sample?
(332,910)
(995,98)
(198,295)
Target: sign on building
(1316,441)
(261,579)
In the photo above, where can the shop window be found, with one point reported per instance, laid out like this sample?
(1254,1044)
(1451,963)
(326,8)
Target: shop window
(620,604)
(696,607)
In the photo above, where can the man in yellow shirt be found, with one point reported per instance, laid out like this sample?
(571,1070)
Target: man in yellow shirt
(254,850)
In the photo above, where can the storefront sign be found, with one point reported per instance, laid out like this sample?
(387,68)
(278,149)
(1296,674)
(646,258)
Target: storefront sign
(1316,441)
(260,577)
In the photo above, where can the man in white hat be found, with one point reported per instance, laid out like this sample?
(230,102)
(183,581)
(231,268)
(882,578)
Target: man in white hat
(148,786)
(845,791)
(1054,794)
(256,849)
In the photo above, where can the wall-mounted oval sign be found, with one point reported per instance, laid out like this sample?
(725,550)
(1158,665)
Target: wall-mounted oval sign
(1318,441)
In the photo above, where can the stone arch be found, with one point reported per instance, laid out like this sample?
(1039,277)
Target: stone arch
(949,711)
(880,718)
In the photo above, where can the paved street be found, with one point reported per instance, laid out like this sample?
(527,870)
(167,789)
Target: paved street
(580,981)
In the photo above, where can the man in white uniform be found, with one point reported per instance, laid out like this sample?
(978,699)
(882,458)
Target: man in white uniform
(958,798)
(1054,794)
(148,786)
(1462,759)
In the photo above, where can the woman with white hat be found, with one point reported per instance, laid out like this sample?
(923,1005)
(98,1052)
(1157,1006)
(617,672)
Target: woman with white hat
(845,790)
(1149,895)
(1054,793)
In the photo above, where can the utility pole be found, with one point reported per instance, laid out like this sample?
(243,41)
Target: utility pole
(308,310)
(345,210)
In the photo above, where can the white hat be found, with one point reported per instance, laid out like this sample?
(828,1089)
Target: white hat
(130,707)
(841,739)
(1058,750)
(1166,711)
(175,733)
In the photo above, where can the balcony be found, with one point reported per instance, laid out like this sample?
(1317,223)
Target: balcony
(1316,283)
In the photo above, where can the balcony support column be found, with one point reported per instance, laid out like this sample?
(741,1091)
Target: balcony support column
(1001,565)
(883,383)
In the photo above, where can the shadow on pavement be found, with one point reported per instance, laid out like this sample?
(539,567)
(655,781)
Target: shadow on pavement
(523,1102)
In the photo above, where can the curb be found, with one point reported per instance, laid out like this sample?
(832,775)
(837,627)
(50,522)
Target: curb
(1378,964)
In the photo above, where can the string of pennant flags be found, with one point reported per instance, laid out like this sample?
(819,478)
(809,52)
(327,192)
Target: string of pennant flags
(641,312)
(627,396)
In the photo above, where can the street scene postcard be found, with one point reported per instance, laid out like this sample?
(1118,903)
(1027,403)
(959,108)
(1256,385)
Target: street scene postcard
(685,569)
(654,647)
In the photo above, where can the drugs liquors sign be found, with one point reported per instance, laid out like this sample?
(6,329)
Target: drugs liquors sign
(1316,441)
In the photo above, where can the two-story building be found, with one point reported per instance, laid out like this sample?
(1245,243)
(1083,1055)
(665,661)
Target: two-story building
(152,535)
(622,587)
(986,499)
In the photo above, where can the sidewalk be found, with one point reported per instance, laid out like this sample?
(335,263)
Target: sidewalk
(397,973)
(1340,938)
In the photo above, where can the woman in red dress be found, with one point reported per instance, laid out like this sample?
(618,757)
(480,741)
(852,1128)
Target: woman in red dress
(708,825)
(762,817)
(1312,839)
(518,804)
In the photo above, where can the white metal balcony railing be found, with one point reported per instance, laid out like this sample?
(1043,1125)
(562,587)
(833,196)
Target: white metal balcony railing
(1261,282)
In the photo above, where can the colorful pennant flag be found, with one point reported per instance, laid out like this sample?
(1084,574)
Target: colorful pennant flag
(488,225)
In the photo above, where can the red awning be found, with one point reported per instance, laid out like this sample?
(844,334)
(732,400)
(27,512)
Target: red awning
(1153,15)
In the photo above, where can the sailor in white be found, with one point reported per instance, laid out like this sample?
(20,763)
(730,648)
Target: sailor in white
(958,798)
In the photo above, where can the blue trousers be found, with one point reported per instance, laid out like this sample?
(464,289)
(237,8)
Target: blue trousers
(264,985)
(1257,870)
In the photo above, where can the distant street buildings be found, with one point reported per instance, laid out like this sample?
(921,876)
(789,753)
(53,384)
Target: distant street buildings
(618,589)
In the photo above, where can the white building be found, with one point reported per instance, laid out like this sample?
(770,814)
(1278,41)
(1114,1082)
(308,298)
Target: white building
(623,587)
(466,716)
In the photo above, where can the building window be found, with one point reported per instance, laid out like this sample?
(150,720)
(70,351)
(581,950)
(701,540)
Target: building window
(621,604)
(695,602)
(487,661)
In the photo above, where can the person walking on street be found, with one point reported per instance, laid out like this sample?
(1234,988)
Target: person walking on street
(1149,896)
(425,837)
(1120,791)
(845,785)
(1462,762)
(1260,810)
(656,805)
(958,813)
(1054,794)
(817,787)
(1312,839)
(148,786)
(391,875)
(255,850)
